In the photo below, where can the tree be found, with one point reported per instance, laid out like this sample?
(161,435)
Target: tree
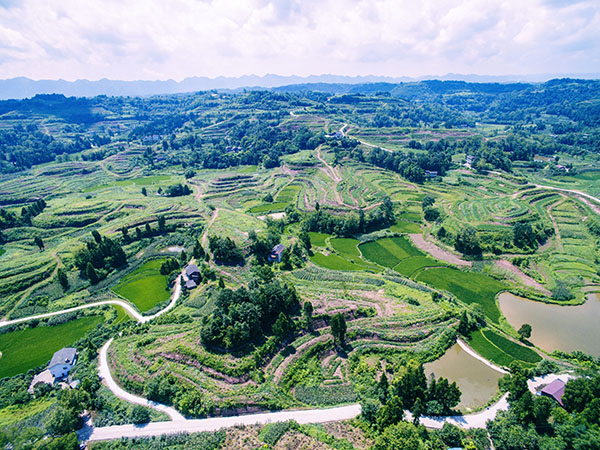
(282,327)
(139,415)
(39,242)
(61,421)
(148,230)
(431,214)
(402,435)
(308,312)
(305,239)
(144,192)
(338,328)
(91,274)
(525,331)
(62,278)
(268,198)
(467,241)
(96,236)
(161,224)
(383,388)
(428,201)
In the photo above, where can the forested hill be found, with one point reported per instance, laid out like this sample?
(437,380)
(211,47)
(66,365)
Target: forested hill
(559,115)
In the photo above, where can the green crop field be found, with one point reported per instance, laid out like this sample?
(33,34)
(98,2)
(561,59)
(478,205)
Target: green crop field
(501,350)
(17,413)
(409,266)
(267,208)
(488,350)
(145,287)
(318,239)
(517,351)
(345,246)
(404,226)
(334,262)
(25,349)
(388,252)
(469,287)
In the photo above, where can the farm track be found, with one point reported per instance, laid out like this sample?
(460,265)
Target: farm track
(204,239)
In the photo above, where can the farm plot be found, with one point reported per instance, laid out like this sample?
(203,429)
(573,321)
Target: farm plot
(388,252)
(21,350)
(145,287)
(469,287)
(501,350)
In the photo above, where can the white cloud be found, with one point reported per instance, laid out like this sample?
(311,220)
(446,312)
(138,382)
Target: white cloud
(180,38)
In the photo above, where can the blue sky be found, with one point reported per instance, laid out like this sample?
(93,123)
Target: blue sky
(149,39)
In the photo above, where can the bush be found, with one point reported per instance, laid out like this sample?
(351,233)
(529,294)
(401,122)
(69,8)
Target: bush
(272,432)
(139,415)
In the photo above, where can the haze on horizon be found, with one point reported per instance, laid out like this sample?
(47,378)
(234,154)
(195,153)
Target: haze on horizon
(150,39)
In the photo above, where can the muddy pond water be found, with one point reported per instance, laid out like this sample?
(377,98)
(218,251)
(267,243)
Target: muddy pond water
(477,382)
(556,327)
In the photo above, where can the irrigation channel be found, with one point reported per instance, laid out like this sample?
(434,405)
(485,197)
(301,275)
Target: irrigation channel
(556,327)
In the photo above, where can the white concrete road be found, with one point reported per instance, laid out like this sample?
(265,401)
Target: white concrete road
(130,309)
(216,423)
(104,372)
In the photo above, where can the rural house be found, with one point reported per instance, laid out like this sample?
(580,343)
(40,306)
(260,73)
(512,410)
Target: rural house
(555,390)
(193,273)
(62,362)
(276,253)
(60,365)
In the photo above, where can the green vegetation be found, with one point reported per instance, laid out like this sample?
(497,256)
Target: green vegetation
(32,347)
(404,226)
(145,287)
(318,239)
(90,213)
(501,350)
(469,287)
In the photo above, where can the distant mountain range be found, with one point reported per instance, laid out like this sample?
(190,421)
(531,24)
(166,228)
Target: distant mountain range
(17,88)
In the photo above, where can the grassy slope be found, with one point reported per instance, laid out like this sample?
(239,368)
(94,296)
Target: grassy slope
(25,349)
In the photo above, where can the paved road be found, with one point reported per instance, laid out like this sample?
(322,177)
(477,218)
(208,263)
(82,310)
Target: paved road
(216,423)
(134,313)
(104,372)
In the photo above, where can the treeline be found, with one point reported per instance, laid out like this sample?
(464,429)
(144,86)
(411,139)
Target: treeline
(351,224)
(8,219)
(99,257)
(249,142)
(24,147)
(246,315)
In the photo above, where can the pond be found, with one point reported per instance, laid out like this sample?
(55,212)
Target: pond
(477,382)
(556,327)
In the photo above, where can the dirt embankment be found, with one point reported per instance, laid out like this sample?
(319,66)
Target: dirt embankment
(437,252)
(525,279)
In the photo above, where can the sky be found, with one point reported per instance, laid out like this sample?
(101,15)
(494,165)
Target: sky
(175,39)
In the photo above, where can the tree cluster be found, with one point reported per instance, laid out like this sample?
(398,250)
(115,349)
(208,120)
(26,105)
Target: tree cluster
(351,224)
(99,257)
(224,250)
(245,315)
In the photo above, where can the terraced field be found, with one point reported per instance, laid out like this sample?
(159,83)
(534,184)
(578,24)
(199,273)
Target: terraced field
(145,287)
